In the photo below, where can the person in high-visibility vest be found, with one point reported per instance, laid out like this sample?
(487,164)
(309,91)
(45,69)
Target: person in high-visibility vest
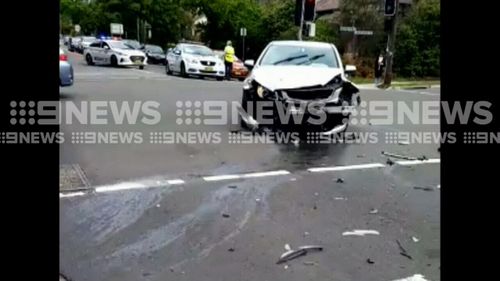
(229,59)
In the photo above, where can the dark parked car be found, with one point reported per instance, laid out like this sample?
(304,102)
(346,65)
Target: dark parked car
(154,53)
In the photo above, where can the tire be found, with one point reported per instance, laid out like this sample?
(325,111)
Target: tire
(241,79)
(183,70)
(89,60)
(220,78)
(141,67)
(167,69)
(114,61)
(244,104)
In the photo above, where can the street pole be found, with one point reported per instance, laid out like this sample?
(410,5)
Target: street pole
(138,38)
(243,53)
(302,19)
(391,44)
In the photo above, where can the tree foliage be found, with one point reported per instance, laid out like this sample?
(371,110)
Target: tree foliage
(418,41)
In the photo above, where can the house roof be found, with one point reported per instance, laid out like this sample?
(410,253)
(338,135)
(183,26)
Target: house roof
(327,5)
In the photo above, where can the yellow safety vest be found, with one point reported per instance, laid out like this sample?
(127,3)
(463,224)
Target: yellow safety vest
(229,54)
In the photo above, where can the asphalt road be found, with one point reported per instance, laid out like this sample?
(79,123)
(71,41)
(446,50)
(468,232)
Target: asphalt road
(155,211)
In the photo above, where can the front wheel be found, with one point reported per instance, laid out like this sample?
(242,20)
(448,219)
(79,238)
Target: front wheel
(141,67)
(89,60)
(167,69)
(220,78)
(183,70)
(114,61)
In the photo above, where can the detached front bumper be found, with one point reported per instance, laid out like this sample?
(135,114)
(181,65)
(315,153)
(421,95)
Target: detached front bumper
(66,77)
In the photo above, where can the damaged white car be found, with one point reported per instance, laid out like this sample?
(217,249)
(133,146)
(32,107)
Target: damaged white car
(299,84)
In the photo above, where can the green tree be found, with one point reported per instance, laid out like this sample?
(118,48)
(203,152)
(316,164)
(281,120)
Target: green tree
(418,41)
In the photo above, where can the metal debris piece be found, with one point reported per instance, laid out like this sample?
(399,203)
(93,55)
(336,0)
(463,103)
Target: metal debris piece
(415,239)
(360,233)
(309,263)
(232,186)
(425,188)
(340,198)
(157,205)
(293,179)
(301,251)
(373,211)
(423,158)
(370,261)
(393,155)
(225,215)
(389,162)
(403,143)
(287,247)
(257,200)
(340,180)
(286,266)
(230,250)
(403,251)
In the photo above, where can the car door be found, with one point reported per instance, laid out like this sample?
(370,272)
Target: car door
(106,53)
(177,58)
(94,50)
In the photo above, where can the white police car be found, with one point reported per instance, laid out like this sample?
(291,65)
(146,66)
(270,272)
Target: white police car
(115,53)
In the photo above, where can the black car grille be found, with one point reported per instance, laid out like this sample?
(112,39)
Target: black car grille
(137,58)
(310,94)
(207,63)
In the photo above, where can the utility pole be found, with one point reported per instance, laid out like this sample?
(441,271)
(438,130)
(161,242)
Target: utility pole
(138,37)
(391,44)
(301,19)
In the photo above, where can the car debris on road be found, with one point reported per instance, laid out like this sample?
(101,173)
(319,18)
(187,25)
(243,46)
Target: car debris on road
(358,232)
(424,188)
(403,251)
(301,251)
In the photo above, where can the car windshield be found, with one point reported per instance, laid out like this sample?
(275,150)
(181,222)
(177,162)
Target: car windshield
(119,45)
(132,43)
(155,49)
(198,50)
(300,55)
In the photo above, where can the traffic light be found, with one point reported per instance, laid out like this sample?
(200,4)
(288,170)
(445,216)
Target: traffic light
(390,7)
(309,10)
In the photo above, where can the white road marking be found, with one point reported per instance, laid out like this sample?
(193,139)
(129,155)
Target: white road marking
(358,232)
(418,162)
(418,92)
(174,182)
(246,176)
(120,186)
(67,195)
(416,277)
(344,168)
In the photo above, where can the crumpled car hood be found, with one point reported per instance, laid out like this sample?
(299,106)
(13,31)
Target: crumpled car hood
(292,76)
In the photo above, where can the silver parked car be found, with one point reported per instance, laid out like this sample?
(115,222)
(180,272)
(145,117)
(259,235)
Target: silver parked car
(66,77)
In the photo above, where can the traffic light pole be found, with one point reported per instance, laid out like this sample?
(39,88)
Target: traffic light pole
(301,20)
(391,45)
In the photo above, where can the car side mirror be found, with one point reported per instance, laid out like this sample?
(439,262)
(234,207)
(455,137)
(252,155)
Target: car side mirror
(106,47)
(177,52)
(249,63)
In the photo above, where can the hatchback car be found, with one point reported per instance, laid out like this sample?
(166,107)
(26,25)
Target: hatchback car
(303,79)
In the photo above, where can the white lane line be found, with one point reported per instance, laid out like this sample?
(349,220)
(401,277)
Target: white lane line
(418,162)
(418,92)
(358,232)
(120,186)
(221,177)
(266,174)
(416,277)
(74,194)
(175,182)
(345,168)
(246,176)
